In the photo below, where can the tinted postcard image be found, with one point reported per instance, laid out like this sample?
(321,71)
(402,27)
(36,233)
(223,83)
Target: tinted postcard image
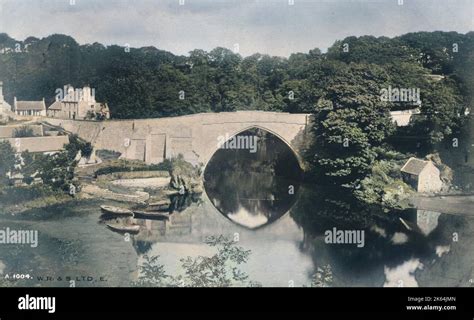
(272,143)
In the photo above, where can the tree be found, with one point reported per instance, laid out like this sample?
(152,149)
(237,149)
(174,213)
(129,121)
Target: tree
(218,270)
(56,171)
(442,112)
(369,49)
(7,160)
(350,122)
(75,145)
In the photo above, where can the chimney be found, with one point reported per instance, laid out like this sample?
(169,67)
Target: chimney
(70,93)
(87,94)
(1,91)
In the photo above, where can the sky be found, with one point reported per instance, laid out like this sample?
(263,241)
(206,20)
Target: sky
(275,27)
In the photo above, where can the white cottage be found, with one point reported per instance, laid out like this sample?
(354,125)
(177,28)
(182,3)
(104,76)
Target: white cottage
(30,108)
(422,175)
(402,118)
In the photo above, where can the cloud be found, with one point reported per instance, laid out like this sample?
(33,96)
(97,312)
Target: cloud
(265,26)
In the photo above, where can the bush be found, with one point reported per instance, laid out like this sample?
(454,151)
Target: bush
(23,132)
(127,166)
(223,269)
(75,145)
(18,195)
(384,186)
(105,154)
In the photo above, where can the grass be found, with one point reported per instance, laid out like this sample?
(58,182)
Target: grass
(130,166)
(19,199)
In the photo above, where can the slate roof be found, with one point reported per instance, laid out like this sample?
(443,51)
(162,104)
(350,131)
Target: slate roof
(414,166)
(30,105)
(55,106)
(39,144)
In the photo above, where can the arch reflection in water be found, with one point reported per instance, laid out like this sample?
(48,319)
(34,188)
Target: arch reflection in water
(253,187)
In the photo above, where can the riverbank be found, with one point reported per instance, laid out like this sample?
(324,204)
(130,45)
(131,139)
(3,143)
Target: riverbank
(15,200)
(450,204)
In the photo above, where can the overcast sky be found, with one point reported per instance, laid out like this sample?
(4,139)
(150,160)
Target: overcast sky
(265,26)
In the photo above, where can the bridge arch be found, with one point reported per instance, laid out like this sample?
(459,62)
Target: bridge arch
(260,127)
(193,136)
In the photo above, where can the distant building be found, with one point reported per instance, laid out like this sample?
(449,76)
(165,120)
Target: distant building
(29,108)
(5,108)
(422,175)
(79,104)
(46,145)
(402,118)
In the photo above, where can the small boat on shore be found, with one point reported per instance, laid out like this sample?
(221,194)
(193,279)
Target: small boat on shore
(124,228)
(116,211)
(161,203)
(151,215)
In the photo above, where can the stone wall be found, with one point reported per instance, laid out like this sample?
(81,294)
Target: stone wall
(9,131)
(193,136)
(39,144)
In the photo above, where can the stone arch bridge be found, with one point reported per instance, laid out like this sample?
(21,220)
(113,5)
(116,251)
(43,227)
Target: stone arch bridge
(195,136)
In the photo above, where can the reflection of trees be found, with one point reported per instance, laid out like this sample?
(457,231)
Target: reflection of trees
(272,156)
(321,209)
(142,247)
(258,181)
(180,202)
(257,193)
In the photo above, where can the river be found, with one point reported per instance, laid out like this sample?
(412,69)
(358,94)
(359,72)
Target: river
(265,208)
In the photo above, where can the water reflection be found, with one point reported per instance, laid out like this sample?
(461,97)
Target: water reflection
(427,221)
(292,250)
(401,247)
(254,188)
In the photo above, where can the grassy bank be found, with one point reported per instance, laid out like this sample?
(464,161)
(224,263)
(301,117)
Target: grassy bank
(15,200)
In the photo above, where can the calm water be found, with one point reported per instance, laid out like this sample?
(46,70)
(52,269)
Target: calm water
(282,221)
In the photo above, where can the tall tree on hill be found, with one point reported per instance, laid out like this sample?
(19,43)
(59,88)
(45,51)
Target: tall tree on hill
(351,122)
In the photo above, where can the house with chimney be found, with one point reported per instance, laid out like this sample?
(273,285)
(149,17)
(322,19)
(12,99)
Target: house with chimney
(78,104)
(29,108)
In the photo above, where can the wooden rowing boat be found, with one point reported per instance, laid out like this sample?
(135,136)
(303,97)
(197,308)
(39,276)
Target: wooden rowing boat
(163,205)
(124,228)
(160,203)
(116,211)
(151,215)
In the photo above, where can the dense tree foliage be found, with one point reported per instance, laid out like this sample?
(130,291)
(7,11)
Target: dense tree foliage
(7,161)
(341,87)
(148,82)
(350,121)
